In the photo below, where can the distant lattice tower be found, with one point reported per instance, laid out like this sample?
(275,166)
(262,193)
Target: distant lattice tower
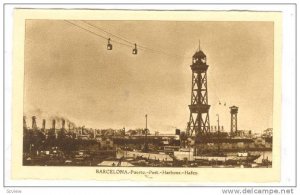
(233,112)
(199,109)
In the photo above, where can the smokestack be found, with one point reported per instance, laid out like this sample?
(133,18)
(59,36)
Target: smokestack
(44,124)
(82,129)
(69,126)
(24,122)
(63,123)
(34,126)
(53,124)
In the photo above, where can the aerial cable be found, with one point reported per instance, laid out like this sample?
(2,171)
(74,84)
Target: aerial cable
(97,34)
(130,42)
(86,29)
(97,27)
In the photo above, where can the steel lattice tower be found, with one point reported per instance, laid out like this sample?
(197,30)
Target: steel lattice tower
(233,112)
(199,109)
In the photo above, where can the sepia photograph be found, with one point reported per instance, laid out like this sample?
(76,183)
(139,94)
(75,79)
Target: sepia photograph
(149,98)
(151,93)
(158,96)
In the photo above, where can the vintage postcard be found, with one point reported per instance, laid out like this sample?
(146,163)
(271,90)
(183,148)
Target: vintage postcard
(173,96)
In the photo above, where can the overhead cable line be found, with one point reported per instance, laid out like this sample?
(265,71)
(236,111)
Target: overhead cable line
(127,43)
(142,47)
(99,28)
(85,29)
(97,34)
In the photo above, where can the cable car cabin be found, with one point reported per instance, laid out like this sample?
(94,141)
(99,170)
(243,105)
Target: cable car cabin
(109,45)
(134,51)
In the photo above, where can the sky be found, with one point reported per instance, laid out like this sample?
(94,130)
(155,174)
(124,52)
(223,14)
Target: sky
(70,74)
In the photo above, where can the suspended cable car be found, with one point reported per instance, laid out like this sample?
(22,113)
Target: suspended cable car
(134,51)
(109,45)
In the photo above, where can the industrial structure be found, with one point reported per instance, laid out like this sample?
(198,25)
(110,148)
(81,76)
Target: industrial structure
(199,109)
(233,126)
(44,125)
(34,126)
